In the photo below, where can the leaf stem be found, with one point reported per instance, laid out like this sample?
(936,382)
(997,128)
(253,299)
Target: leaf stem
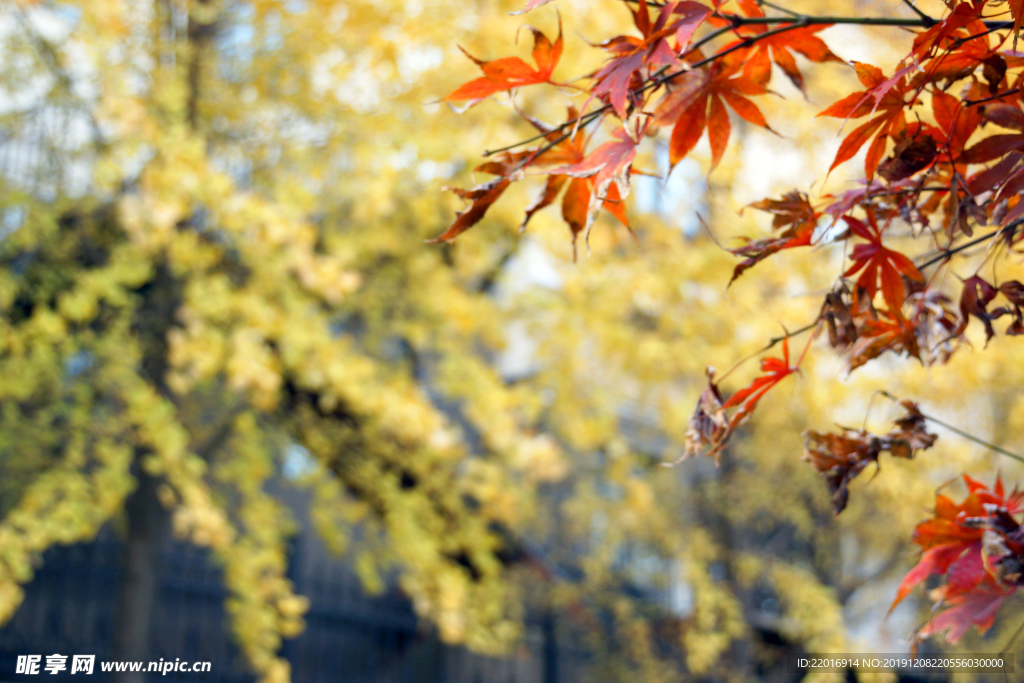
(771,342)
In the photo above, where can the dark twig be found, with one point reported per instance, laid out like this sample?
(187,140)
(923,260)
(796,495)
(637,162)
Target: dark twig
(946,253)
(918,12)
(735,22)
(971,103)
(860,21)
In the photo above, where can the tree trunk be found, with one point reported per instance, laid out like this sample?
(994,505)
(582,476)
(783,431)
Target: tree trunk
(148,531)
(549,631)
(148,520)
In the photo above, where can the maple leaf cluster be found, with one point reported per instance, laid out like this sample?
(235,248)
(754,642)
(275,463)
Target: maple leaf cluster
(979,547)
(710,426)
(942,141)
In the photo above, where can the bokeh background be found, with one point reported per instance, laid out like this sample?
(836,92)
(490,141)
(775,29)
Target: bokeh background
(248,417)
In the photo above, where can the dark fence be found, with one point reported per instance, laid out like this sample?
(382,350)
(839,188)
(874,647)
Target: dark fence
(350,637)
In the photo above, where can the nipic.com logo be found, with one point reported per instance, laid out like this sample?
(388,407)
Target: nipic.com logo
(85,664)
(30,664)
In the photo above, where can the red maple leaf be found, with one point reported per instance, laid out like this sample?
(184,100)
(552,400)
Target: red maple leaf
(774,370)
(977,607)
(875,261)
(779,48)
(579,192)
(697,100)
(995,146)
(511,72)
(606,174)
(884,100)
(616,79)
(957,123)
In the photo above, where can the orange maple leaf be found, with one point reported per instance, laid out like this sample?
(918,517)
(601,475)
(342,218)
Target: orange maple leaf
(884,97)
(579,195)
(779,48)
(512,72)
(605,172)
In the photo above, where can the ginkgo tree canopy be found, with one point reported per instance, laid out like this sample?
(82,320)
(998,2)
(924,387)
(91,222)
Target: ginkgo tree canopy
(245,275)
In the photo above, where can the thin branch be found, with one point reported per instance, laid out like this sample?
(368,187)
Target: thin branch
(923,20)
(737,21)
(966,39)
(947,253)
(582,119)
(971,437)
(971,103)
(860,21)
(885,192)
(957,430)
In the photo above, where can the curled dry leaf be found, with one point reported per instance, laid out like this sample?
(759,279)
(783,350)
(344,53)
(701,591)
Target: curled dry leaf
(793,216)
(911,154)
(840,457)
(708,429)
(975,298)
(481,198)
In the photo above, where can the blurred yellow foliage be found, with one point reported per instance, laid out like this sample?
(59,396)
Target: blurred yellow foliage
(245,274)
